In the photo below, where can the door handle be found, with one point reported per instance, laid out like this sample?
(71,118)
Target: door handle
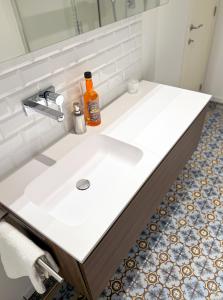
(190,41)
(193,27)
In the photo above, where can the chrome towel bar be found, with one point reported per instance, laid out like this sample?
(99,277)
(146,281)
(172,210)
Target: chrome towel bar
(41,262)
(3,213)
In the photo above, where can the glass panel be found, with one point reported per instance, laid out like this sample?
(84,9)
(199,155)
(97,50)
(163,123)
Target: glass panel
(134,7)
(46,24)
(115,10)
(87,15)
(112,11)
(27,25)
(11,41)
(149,4)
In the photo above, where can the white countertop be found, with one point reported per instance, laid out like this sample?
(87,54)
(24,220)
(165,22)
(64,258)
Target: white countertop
(167,113)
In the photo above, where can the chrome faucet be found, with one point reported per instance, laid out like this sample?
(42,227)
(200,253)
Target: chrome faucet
(41,103)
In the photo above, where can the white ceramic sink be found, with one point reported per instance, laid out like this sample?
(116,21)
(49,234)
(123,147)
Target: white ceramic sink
(106,162)
(140,116)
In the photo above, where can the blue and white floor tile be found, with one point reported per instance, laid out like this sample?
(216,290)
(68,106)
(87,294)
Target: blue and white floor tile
(179,255)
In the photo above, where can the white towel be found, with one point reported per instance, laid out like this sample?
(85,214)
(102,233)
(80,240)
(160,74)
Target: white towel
(19,255)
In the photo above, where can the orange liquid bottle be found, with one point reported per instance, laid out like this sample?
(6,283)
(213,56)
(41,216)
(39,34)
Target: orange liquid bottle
(91,103)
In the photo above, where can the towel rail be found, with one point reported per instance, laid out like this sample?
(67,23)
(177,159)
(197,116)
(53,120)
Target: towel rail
(40,261)
(3,213)
(44,265)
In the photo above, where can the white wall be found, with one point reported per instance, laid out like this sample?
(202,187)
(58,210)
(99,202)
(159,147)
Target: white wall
(164,31)
(170,41)
(214,78)
(149,43)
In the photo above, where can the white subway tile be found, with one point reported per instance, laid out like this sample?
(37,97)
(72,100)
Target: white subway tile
(129,45)
(35,146)
(138,40)
(115,81)
(86,49)
(15,100)
(43,126)
(114,93)
(15,64)
(136,55)
(57,80)
(72,92)
(133,71)
(30,133)
(106,41)
(6,166)
(70,43)
(43,133)
(102,90)
(36,72)
(23,155)
(136,18)
(122,34)
(123,62)
(52,135)
(36,131)
(9,147)
(9,83)
(115,52)
(63,60)
(45,52)
(107,71)
(136,28)
(82,85)
(4,110)
(75,73)
(99,60)
(14,125)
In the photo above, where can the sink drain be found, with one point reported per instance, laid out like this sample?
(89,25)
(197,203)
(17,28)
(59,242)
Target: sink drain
(83,184)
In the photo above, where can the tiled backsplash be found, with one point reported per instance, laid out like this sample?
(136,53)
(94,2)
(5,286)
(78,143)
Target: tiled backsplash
(113,53)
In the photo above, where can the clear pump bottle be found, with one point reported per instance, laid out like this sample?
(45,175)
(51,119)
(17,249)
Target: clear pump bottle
(79,120)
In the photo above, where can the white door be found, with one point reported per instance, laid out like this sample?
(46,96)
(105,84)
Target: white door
(198,43)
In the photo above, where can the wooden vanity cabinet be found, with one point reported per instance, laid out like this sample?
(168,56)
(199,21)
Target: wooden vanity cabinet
(104,260)
(92,276)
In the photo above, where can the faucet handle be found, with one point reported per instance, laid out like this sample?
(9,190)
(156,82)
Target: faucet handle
(54,97)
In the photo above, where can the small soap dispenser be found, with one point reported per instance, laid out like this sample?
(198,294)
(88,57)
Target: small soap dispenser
(79,120)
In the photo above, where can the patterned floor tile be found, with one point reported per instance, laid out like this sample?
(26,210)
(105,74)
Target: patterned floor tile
(179,255)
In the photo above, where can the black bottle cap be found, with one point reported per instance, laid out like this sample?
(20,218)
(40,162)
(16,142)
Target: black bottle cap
(87,74)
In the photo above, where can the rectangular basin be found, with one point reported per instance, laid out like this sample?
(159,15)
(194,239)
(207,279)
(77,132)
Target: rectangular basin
(106,162)
(140,116)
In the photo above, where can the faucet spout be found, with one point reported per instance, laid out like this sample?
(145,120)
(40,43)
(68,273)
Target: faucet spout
(43,109)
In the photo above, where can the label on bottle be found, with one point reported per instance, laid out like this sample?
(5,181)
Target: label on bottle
(94,110)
